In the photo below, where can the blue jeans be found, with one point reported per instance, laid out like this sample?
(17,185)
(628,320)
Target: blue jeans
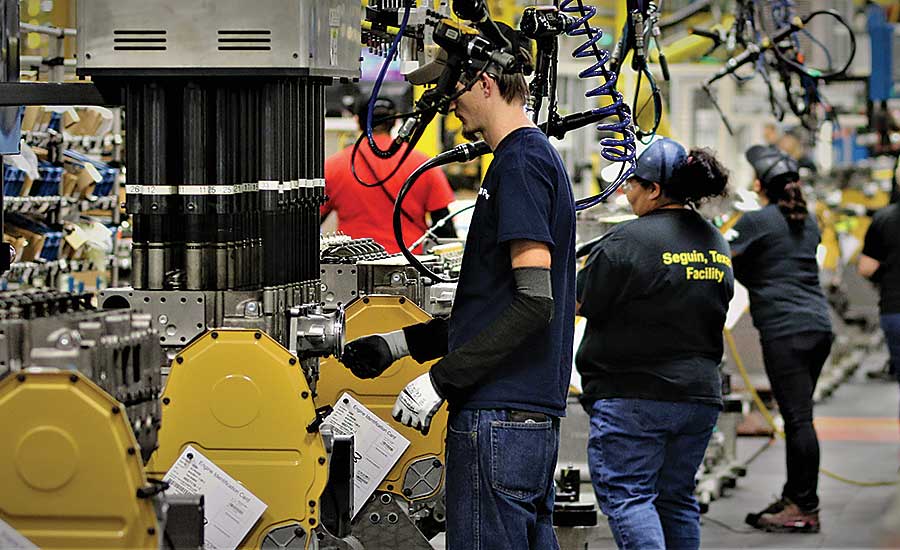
(643,457)
(499,481)
(890,324)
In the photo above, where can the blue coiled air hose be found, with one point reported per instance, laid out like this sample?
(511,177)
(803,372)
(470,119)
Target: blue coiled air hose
(613,149)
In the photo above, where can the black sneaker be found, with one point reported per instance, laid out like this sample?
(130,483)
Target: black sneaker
(777,506)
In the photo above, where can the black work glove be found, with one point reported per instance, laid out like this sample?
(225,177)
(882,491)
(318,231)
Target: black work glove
(369,356)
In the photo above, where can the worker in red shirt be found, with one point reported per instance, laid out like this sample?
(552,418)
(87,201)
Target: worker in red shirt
(368,211)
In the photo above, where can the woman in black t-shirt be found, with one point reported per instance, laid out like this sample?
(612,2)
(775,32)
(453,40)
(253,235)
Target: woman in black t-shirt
(774,252)
(655,292)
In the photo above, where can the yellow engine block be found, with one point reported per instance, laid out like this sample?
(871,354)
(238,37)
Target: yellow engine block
(70,467)
(419,472)
(242,400)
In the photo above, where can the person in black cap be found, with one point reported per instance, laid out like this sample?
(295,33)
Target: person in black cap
(367,211)
(774,251)
(655,292)
(506,351)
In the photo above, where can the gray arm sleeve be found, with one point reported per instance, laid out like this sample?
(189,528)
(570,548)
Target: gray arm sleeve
(530,311)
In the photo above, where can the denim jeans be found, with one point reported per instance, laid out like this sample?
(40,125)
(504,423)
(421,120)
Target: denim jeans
(499,481)
(793,364)
(890,324)
(643,457)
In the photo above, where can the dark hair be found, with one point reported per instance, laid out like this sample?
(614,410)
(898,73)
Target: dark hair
(786,191)
(384,108)
(700,177)
(512,86)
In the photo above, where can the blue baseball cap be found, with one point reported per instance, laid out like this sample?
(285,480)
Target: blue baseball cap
(659,160)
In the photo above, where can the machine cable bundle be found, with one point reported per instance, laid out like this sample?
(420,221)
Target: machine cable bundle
(641,27)
(468,52)
(780,53)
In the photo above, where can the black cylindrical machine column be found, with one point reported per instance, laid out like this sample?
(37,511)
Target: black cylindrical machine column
(224,182)
(198,196)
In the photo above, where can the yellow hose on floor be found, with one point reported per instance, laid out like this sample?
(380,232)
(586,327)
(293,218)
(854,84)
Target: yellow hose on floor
(771,420)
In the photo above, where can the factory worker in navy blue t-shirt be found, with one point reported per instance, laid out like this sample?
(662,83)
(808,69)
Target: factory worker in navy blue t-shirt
(507,348)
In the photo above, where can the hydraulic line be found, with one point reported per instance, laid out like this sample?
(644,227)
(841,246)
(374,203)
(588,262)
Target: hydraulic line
(460,153)
(770,420)
(613,149)
(392,52)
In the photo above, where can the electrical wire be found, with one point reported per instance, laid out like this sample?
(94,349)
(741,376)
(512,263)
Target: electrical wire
(463,152)
(770,420)
(815,73)
(722,524)
(440,223)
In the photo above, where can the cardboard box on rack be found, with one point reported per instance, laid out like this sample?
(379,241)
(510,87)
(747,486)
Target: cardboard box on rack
(31,118)
(26,187)
(89,278)
(93,121)
(33,242)
(69,184)
(87,177)
(69,117)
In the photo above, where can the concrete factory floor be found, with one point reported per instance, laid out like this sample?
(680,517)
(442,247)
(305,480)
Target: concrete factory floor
(860,439)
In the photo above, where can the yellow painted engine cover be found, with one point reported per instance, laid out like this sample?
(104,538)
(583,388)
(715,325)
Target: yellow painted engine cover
(852,197)
(370,315)
(242,400)
(70,467)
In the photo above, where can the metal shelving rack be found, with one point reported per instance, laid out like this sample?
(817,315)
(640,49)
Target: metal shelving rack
(55,209)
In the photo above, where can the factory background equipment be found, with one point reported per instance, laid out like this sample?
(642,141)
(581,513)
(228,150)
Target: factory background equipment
(225,157)
(234,287)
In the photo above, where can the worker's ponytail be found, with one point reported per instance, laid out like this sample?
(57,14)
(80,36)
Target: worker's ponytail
(787,193)
(701,176)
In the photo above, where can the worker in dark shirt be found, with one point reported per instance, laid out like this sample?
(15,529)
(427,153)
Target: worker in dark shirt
(507,349)
(774,252)
(655,292)
(880,262)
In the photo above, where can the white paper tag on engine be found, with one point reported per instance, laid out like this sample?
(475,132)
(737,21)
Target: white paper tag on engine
(230,510)
(376,445)
(14,540)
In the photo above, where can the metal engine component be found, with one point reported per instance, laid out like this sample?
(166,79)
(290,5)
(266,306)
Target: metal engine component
(337,500)
(129,33)
(352,268)
(69,468)
(184,522)
(383,523)
(423,478)
(226,154)
(316,334)
(290,537)
(243,400)
(117,350)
